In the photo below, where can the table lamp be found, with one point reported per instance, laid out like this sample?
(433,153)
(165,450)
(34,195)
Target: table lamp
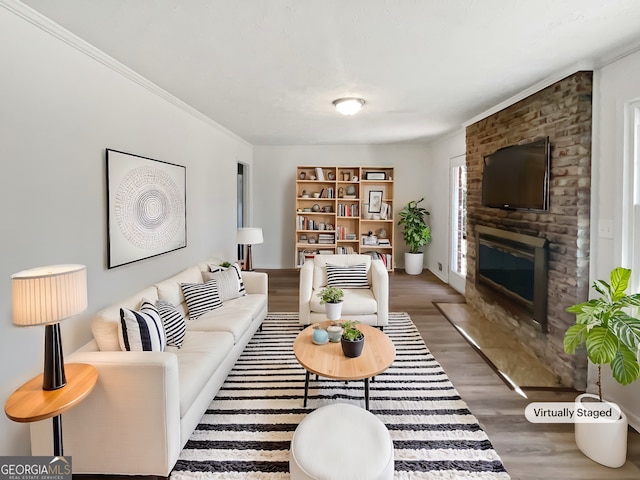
(45,296)
(248,237)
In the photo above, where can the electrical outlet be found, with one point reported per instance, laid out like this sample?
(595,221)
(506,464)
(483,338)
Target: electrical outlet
(439,266)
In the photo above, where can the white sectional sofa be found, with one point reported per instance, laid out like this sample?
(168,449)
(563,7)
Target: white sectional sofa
(146,404)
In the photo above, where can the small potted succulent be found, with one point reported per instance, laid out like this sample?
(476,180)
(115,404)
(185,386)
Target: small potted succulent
(352,339)
(332,298)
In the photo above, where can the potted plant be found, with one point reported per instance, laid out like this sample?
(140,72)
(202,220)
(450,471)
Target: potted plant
(352,339)
(416,235)
(611,337)
(332,298)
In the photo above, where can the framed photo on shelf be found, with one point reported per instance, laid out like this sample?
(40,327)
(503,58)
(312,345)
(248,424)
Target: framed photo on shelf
(375,176)
(375,201)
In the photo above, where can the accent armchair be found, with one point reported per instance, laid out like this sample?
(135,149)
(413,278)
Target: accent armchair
(368,304)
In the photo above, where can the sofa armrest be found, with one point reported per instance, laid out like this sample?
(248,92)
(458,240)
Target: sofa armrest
(305,292)
(380,289)
(256,282)
(129,424)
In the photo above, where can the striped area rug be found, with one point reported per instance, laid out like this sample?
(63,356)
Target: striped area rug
(246,432)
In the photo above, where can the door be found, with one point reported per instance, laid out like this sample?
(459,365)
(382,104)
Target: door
(458,216)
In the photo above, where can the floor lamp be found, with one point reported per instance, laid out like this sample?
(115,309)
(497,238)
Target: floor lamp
(248,237)
(46,296)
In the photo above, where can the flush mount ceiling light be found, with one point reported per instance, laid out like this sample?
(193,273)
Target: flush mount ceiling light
(348,106)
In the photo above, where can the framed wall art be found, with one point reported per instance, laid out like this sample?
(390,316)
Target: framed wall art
(146,207)
(375,201)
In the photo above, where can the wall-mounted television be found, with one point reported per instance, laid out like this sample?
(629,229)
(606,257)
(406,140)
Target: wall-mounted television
(517,177)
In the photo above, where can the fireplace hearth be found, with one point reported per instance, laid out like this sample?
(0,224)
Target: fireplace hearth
(512,268)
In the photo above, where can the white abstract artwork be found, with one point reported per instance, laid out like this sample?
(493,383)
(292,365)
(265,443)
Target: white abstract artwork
(146,207)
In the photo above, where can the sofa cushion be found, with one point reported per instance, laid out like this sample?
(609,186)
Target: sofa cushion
(104,325)
(357,301)
(173,323)
(351,276)
(255,302)
(141,330)
(170,290)
(201,354)
(235,321)
(201,297)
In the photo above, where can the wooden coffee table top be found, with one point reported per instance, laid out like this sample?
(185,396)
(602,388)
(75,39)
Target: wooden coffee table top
(328,360)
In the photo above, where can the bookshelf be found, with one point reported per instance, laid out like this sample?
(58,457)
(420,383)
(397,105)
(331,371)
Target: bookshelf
(342,210)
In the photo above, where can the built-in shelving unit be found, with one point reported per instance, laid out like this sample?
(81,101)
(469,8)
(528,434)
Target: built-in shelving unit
(344,210)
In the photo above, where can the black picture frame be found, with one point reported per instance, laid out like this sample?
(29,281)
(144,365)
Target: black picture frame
(146,207)
(375,176)
(375,201)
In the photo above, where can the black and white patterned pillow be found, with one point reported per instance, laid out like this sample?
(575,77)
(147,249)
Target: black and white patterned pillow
(235,268)
(141,331)
(227,283)
(201,297)
(353,276)
(173,323)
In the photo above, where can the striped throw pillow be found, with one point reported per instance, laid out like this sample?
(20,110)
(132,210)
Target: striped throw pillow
(201,297)
(173,323)
(141,331)
(227,283)
(353,276)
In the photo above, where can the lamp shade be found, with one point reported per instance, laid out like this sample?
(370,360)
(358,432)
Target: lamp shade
(250,236)
(46,295)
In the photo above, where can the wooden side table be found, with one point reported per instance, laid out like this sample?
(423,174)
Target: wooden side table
(30,403)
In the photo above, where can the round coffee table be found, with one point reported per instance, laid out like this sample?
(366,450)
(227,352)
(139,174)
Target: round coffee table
(328,360)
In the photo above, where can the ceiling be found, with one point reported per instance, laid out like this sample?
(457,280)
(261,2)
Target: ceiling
(268,70)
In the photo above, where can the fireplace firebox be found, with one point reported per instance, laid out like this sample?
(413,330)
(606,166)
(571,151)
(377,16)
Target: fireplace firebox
(513,268)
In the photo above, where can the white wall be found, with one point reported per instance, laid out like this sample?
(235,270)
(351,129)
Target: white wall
(59,110)
(274,189)
(615,85)
(439,196)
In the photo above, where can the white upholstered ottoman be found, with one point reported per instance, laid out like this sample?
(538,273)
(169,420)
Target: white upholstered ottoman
(341,442)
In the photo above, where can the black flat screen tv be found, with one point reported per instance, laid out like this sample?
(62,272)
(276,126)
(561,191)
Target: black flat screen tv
(517,177)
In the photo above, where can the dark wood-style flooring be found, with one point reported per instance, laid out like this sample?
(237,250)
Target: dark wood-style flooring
(529,451)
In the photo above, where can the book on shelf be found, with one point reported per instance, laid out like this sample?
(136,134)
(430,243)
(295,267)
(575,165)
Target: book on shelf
(319,174)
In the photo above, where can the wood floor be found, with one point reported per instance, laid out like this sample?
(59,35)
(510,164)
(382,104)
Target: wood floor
(529,451)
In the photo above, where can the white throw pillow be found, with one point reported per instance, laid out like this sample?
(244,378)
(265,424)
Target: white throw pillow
(141,331)
(235,268)
(201,297)
(173,322)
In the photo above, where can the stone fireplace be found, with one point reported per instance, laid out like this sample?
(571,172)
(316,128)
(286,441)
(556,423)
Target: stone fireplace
(562,112)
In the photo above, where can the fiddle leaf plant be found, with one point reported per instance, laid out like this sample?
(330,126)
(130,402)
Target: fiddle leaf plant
(416,232)
(609,333)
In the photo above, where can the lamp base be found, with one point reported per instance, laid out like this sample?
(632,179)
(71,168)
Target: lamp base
(248,263)
(53,375)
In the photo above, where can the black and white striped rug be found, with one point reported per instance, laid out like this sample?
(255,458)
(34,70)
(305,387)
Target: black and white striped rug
(246,432)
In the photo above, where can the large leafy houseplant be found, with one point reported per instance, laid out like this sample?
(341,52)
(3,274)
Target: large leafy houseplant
(416,231)
(604,326)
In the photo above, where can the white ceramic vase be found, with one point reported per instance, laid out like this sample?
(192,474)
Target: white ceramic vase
(605,443)
(333,310)
(413,263)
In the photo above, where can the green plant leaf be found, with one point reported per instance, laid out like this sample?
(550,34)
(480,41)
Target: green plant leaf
(627,329)
(604,289)
(574,337)
(602,345)
(624,366)
(619,282)
(630,300)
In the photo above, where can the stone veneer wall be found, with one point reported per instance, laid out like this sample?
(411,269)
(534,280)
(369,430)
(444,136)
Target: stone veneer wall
(563,112)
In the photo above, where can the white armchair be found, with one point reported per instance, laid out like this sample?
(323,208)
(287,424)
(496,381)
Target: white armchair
(367,305)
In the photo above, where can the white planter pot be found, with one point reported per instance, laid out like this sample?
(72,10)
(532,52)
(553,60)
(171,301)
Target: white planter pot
(413,263)
(605,443)
(333,310)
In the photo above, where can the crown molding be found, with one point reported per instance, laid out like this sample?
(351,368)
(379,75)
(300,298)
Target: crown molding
(550,80)
(49,26)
